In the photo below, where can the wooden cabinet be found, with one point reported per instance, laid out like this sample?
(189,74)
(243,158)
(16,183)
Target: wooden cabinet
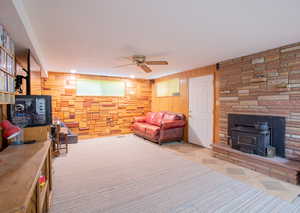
(7,68)
(22,168)
(40,199)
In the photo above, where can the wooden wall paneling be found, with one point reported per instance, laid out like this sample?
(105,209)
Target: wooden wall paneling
(94,116)
(180,103)
(36,83)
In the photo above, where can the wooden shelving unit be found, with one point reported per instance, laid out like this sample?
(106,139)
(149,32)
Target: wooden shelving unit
(22,166)
(7,69)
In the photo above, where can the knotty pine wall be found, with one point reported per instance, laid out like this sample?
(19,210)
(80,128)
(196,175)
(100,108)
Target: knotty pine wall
(181,103)
(92,116)
(36,83)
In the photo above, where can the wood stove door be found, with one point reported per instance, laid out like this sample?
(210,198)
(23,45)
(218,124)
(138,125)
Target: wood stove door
(201,98)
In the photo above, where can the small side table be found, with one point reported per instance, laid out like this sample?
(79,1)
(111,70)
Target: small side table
(63,132)
(59,141)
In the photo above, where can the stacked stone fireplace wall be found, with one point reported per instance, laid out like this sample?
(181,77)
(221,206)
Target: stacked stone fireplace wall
(266,83)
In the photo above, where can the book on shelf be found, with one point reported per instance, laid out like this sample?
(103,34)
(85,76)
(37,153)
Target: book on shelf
(10,64)
(10,84)
(1,35)
(7,83)
(3,82)
(7,62)
(6,41)
(2,59)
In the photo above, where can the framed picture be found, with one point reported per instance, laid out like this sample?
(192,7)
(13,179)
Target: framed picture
(6,40)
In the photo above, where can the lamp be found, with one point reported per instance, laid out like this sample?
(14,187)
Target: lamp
(9,130)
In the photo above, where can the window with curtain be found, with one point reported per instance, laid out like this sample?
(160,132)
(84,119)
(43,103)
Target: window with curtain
(169,87)
(88,87)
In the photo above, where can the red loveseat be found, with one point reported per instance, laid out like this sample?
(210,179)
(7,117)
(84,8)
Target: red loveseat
(160,126)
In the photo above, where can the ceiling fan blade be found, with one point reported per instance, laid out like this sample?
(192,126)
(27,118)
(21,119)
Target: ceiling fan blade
(145,68)
(156,62)
(124,65)
(128,58)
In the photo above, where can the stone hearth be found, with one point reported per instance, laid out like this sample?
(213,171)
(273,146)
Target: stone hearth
(277,167)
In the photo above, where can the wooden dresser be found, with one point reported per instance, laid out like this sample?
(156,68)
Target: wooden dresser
(21,167)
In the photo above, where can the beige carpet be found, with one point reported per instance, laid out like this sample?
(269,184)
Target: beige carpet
(128,174)
(203,156)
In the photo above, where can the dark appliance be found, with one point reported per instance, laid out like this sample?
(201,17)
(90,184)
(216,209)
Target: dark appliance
(31,111)
(251,139)
(255,134)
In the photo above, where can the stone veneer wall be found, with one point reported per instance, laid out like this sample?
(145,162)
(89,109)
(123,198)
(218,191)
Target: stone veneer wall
(266,83)
(91,116)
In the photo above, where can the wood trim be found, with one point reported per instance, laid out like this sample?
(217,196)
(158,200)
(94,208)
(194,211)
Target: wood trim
(96,76)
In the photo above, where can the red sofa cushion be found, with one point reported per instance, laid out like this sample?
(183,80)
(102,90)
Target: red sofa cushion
(172,116)
(172,124)
(152,131)
(155,118)
(149,117)
(141,127)
(172,120)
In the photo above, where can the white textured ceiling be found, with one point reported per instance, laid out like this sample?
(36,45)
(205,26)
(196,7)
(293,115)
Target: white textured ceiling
(10,19)
(92,36)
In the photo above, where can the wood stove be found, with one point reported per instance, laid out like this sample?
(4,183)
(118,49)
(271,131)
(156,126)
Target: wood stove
(256,134)
(251,139)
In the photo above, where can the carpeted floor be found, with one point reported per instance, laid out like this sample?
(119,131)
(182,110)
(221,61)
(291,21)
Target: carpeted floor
(204,156)
(128,174)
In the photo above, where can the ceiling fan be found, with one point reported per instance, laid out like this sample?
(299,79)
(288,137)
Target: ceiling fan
(140,61)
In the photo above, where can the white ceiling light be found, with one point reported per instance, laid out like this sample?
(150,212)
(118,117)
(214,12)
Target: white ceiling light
(73,71)
(132,76)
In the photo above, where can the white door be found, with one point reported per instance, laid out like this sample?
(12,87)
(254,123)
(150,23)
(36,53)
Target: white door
(201,107)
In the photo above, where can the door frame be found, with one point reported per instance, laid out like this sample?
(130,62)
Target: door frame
(213,74)
(215,104)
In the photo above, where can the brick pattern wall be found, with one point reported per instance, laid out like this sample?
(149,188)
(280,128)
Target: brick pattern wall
(266,83)
(96,116)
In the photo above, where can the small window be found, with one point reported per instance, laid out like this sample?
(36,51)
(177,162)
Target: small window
(168,88)
(87,87)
